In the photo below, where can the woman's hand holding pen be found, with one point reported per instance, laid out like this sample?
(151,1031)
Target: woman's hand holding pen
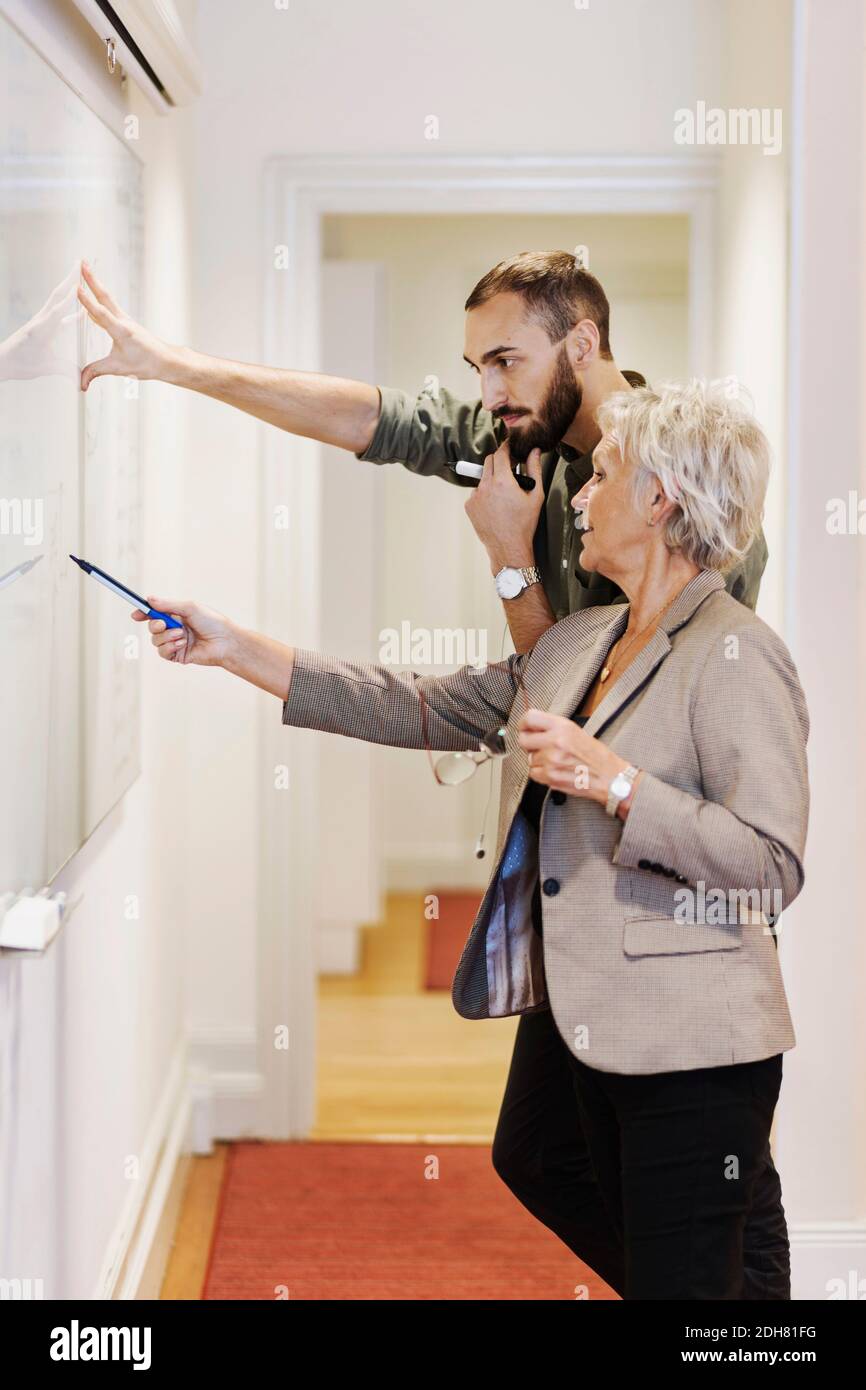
(210,639)
(207,638)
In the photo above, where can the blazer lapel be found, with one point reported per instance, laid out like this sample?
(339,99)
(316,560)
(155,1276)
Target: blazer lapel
(639,670)
(583,671)
(634,675)
(579,676)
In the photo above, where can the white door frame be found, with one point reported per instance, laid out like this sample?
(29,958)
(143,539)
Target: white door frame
(298,192)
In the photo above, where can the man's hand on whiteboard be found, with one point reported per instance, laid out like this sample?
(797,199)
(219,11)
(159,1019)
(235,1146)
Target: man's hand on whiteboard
(134,351)
(333,409)
(207,639)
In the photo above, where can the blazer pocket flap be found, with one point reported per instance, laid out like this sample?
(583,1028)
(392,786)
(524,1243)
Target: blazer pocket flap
(664,936)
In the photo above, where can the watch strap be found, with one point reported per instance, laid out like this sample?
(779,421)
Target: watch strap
(529,575)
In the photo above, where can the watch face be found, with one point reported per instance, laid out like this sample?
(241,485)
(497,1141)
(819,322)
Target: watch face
(509,583)
(620,786)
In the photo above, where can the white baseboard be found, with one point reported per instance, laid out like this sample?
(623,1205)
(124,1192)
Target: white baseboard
(338,948)
(225,1087)
(137,1248)
(156,1263)
(828,1260)
(213,1091)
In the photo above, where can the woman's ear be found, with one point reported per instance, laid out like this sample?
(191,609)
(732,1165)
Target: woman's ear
(656,496)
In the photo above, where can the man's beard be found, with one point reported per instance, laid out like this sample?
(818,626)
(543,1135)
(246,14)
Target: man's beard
(554,418)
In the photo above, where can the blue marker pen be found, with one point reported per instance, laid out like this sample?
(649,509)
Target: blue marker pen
(123,592)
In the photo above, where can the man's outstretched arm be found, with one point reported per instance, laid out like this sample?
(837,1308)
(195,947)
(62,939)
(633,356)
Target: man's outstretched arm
(332,409)
(427,434)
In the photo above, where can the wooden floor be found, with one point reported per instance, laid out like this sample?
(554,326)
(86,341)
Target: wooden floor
(187,1265)
(394,1063)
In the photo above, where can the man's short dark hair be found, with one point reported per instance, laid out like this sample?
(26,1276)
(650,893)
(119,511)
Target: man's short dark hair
(557,292)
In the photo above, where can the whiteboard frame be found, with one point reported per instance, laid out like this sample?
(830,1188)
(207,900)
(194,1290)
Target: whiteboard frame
(40,24)
(37,24)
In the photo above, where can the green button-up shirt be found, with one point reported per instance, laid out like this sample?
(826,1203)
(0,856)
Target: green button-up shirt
(428,434)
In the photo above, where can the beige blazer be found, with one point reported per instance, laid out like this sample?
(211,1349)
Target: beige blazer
(656,953)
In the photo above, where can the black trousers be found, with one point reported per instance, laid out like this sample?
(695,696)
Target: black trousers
(662,1184)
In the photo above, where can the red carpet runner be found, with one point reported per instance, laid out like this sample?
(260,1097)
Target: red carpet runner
(361,1221)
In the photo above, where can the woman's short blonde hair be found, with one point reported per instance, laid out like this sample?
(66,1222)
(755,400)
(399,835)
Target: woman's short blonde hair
(711,457)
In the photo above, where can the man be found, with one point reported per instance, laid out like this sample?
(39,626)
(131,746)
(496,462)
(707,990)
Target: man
(537,334)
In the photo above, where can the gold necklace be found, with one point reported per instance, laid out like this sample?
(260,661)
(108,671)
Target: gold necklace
(609,664)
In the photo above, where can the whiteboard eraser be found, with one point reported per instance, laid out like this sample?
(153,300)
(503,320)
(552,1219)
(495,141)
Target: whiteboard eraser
(30,923)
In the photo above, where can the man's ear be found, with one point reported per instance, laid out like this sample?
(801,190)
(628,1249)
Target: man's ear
(582,344)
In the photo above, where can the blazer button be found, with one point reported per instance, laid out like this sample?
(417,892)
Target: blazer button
(557,798)
(668,873)
(644,864)
(657,868)
(681,878)
(550,887)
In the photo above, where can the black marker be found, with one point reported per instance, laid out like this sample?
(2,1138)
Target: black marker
(476,470)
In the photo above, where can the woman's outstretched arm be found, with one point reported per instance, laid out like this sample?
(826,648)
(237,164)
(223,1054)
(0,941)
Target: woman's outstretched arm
(208,638)
(261,660)
(354,698)
(382,705)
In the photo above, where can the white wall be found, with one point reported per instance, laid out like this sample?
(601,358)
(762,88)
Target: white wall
(822,1124)
(345,78)
(348,78)
(752,253)
(93,1032)
(348,878)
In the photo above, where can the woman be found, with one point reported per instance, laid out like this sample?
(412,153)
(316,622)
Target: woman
(653,819)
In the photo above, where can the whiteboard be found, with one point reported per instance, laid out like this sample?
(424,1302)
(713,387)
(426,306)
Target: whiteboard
(70,189)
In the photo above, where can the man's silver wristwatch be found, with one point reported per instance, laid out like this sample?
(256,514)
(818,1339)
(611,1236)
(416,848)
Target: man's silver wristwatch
(620,788)
(511,582)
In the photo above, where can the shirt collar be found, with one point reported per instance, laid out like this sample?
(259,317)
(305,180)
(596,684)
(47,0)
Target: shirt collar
(567,452)
(578,467)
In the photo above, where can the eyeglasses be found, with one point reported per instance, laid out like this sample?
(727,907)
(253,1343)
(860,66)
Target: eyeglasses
(453,768)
